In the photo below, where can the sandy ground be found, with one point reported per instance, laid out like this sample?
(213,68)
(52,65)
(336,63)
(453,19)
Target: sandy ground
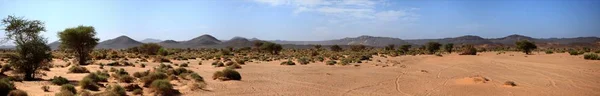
(483,75)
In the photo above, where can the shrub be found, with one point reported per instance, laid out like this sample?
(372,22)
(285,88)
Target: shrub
(88,83)
(235,66)
(147,80)
(126,78)
(140,74)
(184,65)
(510,83)
(469,50)
(97,77)
(6,86)
(143,65)
(549,52)
(303,60)
(84,93)
(59,80)
(574,52)
(433,47)
(116,89)
(331,62)
(138,92)
(218,64)
(591,56)
(345,61)
(46,88)
(196,77)
(162,86)
(289,62)
(227,74)
(78,69)
(68,88)
(17,93)
(65,93)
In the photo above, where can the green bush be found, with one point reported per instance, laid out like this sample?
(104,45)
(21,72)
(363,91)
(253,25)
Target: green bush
(591,56)
(196,77)
(97,77)
(227,74)
(65,93)
(331,62)
(88,83)
(68,88)
(303,60)
(147,80)
(140,74)
(549,52)
(184,65)
(289,62)
(126,78)
(469,50)
(116,89)
(575,52)
(59,80)
(162,86)
(6,86)
(17,93)
(78,69)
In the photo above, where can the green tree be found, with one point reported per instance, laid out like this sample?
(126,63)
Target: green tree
(336,48)
(79,40)
(433,47)
(271,47)
(448,47)
(149,48)
(405,48)
(32,53)
(357,48)
(317,46)
(390,47)
(525,46)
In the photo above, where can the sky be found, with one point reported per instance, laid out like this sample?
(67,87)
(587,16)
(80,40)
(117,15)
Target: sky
(312,20)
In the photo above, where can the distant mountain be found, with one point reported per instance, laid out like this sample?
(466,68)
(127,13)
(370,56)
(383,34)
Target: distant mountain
(200,41)
(54,45)
(208,41)
(511,39)
(150,40)
(236,42)
(467,39)
(362,40)
(120,42)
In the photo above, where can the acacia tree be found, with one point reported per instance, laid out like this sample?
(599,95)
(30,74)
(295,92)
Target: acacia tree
(405,48)
(432,47)
(525,46)
(79,40)
(448,47)
(32,53)
(336,48)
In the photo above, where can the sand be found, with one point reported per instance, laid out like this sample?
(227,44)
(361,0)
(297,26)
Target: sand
(556,74)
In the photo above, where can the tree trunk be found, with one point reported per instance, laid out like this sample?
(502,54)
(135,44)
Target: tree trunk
(82,59)
(28,76)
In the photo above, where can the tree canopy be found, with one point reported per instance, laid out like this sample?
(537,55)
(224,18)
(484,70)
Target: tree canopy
(79,40)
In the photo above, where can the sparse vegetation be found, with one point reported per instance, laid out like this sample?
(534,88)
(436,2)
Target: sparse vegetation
(227,74)
(469,50)
(68,88)
(525,46)
(78,69)
(591,56)
(17,93)
(163,87)
(59,80)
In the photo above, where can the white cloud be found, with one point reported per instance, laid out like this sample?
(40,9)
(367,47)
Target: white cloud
(347,9)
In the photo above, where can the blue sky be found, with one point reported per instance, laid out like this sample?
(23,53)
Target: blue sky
(313,19)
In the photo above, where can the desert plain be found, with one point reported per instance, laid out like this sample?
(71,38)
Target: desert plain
(485,74)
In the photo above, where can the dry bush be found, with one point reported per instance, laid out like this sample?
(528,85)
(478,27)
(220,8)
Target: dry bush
(227,74)
(17,93)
